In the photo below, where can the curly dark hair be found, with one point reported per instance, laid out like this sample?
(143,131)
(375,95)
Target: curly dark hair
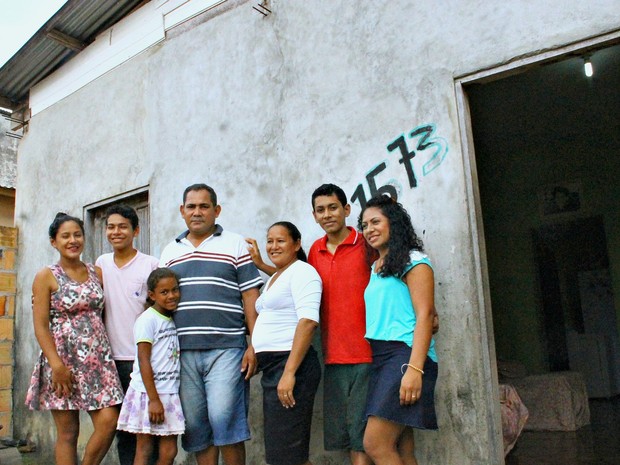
(403,238)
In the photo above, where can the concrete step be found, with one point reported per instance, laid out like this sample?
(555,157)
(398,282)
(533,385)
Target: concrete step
(10,456)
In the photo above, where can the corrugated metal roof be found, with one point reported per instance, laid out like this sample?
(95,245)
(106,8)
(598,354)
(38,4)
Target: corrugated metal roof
(79,21)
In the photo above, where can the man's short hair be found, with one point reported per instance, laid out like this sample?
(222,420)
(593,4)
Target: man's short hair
(329,189)
(200,187)
(125,211)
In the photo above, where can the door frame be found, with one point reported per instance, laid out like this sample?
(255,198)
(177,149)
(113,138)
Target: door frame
(492,73)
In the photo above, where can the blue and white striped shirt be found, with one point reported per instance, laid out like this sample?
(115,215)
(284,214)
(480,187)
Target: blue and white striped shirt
(212,278)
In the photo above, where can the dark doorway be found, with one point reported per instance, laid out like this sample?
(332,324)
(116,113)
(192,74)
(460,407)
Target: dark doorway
(568,256)
(547,162)
(547,143)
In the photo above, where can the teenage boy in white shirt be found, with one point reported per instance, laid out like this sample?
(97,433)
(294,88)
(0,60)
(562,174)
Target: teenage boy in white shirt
(125,271)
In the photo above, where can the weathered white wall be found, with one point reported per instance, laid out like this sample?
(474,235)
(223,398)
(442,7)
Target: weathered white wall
(8,154)
(8,172)
(267,109)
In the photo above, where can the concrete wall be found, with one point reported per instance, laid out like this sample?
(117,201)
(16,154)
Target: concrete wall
(8,154)
(8,172)
(265,110)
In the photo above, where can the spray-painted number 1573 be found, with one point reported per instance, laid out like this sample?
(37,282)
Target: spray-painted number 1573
(438,150)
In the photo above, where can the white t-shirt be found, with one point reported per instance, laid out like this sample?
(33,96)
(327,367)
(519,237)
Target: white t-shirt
(159,330)
(296,294)
(125,295)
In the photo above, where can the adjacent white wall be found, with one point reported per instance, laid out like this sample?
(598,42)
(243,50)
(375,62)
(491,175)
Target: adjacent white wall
(129,37)
(267,109)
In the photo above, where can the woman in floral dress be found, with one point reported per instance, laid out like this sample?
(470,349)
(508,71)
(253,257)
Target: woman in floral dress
(75,370)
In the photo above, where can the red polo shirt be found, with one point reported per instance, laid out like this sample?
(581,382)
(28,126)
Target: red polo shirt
(345,275)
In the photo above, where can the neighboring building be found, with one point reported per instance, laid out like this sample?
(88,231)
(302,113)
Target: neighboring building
(8,171)
(267,105)
(8,281)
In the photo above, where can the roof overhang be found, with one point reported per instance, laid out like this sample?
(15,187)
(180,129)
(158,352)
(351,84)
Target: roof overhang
(61,38)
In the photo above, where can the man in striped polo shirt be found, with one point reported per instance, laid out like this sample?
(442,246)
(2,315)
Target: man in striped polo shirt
(219,287)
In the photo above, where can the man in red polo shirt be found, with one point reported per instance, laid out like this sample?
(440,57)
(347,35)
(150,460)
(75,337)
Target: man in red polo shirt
(340,257)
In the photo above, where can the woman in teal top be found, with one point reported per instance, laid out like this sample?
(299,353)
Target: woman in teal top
(399,326)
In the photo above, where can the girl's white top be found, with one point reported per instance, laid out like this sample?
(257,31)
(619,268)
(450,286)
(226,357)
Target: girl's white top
(158,330)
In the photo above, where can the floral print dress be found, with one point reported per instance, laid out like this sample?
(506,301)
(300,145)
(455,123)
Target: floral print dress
(82,343)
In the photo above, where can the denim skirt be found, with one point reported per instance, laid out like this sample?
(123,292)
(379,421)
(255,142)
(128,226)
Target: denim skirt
(383,392)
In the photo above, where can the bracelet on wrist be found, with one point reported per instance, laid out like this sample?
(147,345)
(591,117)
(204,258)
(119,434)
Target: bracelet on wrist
(402,368)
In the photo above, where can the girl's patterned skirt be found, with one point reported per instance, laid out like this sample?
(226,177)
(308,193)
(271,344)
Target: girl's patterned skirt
(134,416)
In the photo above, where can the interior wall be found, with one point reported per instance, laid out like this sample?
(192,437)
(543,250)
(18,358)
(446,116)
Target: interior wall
(548,126)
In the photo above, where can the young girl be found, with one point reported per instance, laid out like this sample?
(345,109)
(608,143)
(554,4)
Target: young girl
(152,405)
(399,326)
(75,370)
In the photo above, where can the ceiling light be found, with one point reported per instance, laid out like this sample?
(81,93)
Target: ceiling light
(587,67)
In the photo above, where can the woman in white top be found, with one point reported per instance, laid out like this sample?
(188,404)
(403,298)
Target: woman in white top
(288,315)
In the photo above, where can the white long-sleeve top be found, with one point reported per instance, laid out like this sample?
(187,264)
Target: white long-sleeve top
(296,294)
